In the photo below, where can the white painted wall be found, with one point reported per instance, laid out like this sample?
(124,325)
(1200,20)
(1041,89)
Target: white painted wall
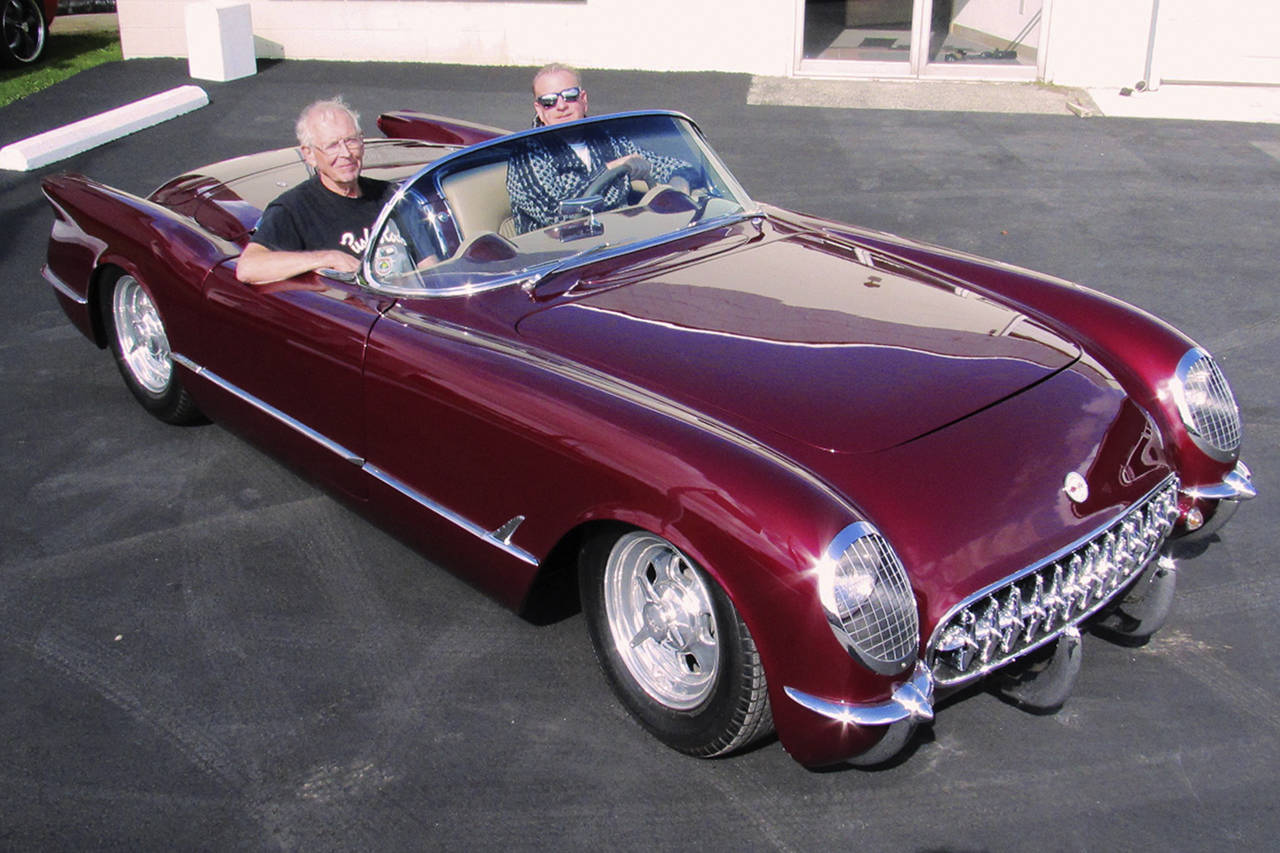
(1232,41)
(1084,42)
(1097,42)
(753,36)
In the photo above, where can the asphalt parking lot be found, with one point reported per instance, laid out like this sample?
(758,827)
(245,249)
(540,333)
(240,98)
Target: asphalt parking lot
(201,650)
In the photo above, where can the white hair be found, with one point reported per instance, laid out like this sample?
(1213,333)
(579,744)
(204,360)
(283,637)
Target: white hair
(316,109)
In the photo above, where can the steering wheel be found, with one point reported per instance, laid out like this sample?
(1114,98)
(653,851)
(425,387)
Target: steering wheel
(597,184)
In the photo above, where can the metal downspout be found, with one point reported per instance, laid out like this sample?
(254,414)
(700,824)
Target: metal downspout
(1148,77)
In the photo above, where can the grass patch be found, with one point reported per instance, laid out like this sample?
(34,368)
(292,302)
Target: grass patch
(64,56)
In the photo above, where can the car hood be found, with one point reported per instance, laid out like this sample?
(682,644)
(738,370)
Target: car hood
(823,343)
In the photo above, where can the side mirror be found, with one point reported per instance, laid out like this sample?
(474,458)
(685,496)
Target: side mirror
(586,205)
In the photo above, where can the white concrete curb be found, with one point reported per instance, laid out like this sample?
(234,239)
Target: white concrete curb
(54,145)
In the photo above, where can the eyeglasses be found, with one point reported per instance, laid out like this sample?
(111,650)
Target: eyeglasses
(550,99)
(333,149)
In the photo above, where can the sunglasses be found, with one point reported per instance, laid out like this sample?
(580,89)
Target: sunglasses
(550,99)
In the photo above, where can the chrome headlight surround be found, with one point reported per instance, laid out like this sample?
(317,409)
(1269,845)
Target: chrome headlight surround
(868,600)
(1207,406)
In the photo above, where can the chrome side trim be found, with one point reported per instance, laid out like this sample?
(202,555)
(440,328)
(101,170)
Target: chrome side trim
(268,409)
(1237,485)
(506,531)
(911,700)
(500,538)
(493,537)
(62,287)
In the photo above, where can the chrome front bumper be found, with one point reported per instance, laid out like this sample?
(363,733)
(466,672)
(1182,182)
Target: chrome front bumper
(911,700)
(1235,488)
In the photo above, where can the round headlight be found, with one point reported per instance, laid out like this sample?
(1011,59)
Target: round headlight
(868,600)
(1207,406)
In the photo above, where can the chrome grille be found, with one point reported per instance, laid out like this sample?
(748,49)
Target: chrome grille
(1211,407)
(1034,607)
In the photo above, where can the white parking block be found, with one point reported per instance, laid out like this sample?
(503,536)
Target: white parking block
(59,143)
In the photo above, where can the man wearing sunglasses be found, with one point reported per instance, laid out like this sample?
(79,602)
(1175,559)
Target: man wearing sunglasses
(322,223)
(553,168)
(558,95)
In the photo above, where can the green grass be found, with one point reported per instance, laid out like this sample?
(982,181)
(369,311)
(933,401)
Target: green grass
(64,55)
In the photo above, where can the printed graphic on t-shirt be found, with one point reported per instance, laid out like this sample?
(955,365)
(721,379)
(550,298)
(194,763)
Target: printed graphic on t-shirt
(356,247)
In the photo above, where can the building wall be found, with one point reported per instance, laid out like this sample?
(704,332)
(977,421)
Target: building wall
(1236,41)
(1083,42)
(753,36)
(1098,42)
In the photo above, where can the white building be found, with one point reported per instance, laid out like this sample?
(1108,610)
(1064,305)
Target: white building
(1067,42)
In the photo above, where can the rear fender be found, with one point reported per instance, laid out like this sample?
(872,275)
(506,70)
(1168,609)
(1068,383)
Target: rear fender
(411,124)
(98,229)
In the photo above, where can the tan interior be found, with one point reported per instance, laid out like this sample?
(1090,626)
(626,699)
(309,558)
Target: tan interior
(479,201)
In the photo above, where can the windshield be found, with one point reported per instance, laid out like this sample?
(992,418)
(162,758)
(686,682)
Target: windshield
(531,203)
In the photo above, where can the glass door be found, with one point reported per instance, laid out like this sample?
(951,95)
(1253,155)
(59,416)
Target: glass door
(954,39)
(860,37)
(984,39)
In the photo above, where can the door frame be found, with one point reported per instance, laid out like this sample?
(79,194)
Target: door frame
(918,66)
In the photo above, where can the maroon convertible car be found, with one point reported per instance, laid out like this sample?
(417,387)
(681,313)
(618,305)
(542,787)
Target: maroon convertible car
(800,476)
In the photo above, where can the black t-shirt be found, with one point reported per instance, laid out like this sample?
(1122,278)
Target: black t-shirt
(310,217)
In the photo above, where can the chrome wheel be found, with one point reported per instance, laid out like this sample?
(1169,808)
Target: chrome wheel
(144,347)
(662,621)
(140,345)
(675,649)
(23,30)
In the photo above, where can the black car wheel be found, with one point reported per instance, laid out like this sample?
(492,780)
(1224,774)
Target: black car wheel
(141,348)
(672,645)
(22,31)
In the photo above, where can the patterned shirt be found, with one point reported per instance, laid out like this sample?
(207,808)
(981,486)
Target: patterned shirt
(548,171)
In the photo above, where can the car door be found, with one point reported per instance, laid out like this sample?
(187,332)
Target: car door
(288,359)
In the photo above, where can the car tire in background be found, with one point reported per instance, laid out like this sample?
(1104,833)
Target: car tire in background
(671,644)
(140,345)
(23,32)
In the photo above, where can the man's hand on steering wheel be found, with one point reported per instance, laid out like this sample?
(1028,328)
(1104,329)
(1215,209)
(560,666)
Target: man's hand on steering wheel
(637,166)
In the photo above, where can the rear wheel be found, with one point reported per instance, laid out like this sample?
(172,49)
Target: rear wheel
(672,645)
(22,32)
(141,348)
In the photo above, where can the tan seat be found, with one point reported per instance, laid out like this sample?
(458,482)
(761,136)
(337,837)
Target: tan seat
(479,201)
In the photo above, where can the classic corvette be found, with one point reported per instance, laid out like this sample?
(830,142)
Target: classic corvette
(799,476)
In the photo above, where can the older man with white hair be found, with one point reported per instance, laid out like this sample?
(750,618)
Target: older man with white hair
(323,223)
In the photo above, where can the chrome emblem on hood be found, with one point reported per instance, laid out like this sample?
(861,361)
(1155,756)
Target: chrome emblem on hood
(1076,488)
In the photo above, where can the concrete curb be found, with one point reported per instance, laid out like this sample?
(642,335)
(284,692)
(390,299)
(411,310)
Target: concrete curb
(59,143)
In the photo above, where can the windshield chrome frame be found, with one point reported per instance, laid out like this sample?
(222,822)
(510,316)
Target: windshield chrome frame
(536,271)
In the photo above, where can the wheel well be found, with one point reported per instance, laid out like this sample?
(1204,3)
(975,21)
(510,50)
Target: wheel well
(101,277)
(553,596)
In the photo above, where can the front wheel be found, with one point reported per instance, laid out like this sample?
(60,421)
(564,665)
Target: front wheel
(672,645)
(140,345)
